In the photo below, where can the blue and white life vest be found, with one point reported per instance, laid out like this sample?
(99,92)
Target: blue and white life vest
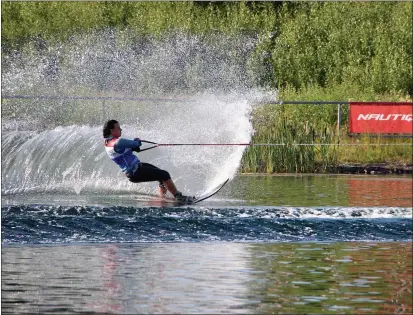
(124,157)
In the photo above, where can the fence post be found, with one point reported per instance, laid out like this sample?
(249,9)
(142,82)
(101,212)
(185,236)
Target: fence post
(338,120)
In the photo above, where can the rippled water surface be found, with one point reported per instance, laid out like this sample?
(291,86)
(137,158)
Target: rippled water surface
(265,244)
(353,277)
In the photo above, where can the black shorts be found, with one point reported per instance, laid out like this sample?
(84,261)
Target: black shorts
(149,173)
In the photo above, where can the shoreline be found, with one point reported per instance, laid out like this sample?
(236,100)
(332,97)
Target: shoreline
(357,169)
(375,168)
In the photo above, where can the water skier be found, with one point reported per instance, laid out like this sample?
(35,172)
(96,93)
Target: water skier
(120,150)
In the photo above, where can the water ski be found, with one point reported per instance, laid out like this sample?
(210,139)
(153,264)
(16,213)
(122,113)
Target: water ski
(205,195)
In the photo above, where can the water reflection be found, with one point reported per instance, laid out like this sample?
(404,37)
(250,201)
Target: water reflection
(380,191)
(301,190)
(339,277)
(209,278)
(323,190)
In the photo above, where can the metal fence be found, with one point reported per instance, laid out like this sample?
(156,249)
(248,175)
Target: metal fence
(104,99)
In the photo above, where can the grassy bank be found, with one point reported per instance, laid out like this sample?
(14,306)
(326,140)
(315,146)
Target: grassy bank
(317,124)
(326,152)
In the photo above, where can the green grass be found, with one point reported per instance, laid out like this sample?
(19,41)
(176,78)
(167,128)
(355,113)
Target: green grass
(376,151)
(294,158)
(275,127)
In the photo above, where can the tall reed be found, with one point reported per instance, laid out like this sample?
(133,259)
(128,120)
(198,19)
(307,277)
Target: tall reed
(310,143)
(274,126)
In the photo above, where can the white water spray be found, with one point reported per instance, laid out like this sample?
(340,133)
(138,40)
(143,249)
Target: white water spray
(57,145)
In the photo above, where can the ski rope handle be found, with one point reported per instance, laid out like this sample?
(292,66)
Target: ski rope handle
(152,147)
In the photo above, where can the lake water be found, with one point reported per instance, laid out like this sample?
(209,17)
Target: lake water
(265,244)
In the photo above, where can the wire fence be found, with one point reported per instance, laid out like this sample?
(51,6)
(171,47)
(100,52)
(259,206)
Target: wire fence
(339,105)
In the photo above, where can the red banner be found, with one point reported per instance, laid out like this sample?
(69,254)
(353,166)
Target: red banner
(379,117)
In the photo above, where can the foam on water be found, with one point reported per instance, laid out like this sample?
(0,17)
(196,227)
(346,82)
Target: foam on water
(219,212)
(72,224)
